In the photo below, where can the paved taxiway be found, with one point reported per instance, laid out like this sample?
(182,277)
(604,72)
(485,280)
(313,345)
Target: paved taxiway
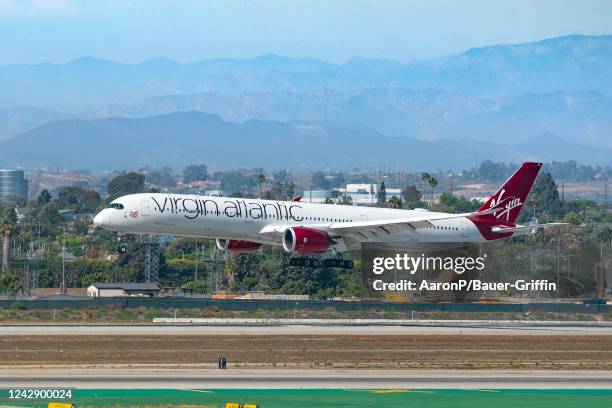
(130,377)
(414,328)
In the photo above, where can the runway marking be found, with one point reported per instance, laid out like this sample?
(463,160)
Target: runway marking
(390,391)
(387,391)
(204,391)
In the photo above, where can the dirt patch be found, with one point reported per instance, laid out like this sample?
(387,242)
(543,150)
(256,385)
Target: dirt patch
(419,351)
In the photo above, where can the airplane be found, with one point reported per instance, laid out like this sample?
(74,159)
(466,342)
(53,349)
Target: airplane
(308,230)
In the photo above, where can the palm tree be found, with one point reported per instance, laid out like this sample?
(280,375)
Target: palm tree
(7,226)
(605,235)
(426,177)
(433,182)
(262,179)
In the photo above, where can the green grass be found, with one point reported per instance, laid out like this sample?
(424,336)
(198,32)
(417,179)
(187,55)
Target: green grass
(343,398)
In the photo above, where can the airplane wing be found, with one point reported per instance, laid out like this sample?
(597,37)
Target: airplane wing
(385,227)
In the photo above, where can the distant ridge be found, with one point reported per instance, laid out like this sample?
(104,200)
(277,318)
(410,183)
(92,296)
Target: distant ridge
(570,63)
(183,138)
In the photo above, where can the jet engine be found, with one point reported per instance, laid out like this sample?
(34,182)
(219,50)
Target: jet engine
(306,240)
(232,245)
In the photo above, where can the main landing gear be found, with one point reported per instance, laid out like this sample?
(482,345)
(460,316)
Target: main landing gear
(315,263)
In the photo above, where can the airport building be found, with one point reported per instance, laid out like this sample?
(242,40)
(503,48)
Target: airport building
(122,289)
(13,185)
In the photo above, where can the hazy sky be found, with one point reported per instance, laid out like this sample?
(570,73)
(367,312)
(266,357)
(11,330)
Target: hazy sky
(132,31)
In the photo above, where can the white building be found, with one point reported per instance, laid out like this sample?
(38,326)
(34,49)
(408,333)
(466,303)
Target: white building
(122,289)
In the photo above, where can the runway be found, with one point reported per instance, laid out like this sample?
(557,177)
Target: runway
(146,378)
(362,329)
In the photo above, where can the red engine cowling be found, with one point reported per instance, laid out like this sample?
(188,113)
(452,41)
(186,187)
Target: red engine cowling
(232,245)
(305,240)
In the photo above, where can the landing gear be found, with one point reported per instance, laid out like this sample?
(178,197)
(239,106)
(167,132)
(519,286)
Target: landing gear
(315,263)
(307,262)
(338,263)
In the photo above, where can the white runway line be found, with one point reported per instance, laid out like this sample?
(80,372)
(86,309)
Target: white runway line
(301,378)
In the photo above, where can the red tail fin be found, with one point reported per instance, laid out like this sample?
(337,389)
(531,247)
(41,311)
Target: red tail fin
(512,195)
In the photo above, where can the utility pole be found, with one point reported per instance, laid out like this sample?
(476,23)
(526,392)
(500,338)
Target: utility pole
(196,260)
(601,267)
(63,288)
(562,191)
(558,257)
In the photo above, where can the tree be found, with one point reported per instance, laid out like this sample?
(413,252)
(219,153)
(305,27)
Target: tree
(280,191)
(412,197)
(605,235)
(395,202)
(381,196)
(195,173)
(545,196)
(318,180)
(10,284)
(129,183)
(346,199)
(163,177)
(433,182)
(492,171)
(43,198)
(261,179)
(8,222)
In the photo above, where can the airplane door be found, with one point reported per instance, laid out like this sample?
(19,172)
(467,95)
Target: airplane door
(464,229)
(145,211)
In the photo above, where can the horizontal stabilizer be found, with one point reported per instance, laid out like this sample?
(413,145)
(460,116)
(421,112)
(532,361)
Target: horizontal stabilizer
(525,228)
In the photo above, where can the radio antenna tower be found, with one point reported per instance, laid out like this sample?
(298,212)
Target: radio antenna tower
(152,260)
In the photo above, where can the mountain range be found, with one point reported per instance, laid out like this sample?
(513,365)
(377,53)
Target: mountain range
(546,100)
(584,116)
(571,63)
(182,138)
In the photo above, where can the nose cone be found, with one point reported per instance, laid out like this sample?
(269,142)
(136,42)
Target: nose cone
(99,219)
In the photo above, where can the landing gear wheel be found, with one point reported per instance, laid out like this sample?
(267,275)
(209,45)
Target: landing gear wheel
(316,263)
(296,261)
(338,263)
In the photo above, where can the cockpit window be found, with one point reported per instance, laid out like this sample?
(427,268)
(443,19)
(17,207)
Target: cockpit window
(116,206)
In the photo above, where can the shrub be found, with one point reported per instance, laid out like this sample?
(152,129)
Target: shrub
(18,306)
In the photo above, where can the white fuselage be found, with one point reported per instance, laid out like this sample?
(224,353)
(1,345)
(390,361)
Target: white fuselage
(244,218)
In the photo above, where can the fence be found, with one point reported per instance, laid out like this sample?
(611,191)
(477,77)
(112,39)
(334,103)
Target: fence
(314,305)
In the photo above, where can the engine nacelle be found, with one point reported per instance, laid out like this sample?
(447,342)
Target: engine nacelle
(305,240)
(232,245)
